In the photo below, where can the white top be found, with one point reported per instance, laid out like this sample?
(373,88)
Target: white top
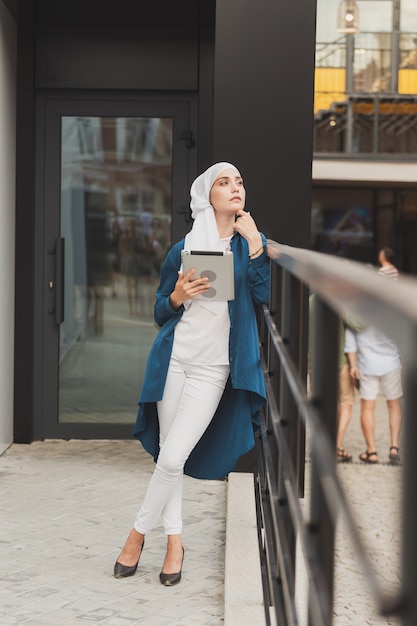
(202,334)
(377,355)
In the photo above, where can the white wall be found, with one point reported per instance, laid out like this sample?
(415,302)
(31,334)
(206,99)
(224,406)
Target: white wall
(364,171)
(8,35)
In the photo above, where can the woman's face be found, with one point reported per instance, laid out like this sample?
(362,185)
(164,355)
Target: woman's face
(228,194)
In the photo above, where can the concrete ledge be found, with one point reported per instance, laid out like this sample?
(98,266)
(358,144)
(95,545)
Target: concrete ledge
(242,583)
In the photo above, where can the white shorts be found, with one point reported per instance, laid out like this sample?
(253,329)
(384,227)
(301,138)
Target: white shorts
(390,385)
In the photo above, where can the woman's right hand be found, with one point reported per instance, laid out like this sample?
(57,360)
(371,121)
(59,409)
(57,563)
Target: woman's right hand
(186,289)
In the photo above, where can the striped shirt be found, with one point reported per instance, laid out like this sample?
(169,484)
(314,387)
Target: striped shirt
(389,271)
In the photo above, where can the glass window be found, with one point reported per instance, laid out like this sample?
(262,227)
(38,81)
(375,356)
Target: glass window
(409,16)
(408,51)
(372,63)
(375,16)
(116,197)
(342,223)
(327,21)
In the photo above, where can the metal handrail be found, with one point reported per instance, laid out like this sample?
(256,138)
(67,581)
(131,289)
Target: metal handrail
(340,288)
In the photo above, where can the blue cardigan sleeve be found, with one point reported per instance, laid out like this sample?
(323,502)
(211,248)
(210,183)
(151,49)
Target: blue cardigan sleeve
(258,276)
(163,310)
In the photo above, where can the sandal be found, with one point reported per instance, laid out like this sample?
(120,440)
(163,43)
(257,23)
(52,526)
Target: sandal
(366,457)
(342,456)
(394,458)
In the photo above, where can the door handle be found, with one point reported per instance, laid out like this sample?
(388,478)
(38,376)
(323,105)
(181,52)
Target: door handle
(57,285)
(59,279)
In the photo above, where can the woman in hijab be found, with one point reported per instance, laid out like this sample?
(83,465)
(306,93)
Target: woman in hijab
(204,384)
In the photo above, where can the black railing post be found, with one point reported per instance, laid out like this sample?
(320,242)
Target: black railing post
(294,329)
(325,359)
(287,410)
(408,606)
(267,467)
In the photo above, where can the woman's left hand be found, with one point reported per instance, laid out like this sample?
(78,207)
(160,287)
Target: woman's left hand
(245,225)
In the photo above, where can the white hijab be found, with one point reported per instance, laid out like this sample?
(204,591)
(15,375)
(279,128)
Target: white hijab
(204,234)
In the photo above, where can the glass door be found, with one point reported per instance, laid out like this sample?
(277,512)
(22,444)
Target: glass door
(111,182)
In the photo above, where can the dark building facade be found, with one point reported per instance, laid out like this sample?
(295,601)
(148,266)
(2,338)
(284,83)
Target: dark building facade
(118,107)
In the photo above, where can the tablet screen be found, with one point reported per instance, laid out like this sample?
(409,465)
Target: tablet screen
(217,266)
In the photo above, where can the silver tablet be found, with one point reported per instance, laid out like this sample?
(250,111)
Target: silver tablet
(217,266)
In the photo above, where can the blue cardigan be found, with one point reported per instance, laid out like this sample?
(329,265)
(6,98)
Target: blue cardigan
(231,431)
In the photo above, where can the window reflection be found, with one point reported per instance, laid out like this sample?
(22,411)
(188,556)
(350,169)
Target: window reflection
(375,16)
(372,63)
(342,223)
(408,17)
(408,51)
(116,200)
(144,139)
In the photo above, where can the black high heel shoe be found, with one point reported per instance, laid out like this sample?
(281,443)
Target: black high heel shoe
(123,571)
(171,579)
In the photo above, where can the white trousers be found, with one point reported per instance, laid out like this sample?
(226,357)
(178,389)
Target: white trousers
(191,396)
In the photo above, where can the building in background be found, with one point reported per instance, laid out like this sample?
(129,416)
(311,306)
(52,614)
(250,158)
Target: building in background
(365,130)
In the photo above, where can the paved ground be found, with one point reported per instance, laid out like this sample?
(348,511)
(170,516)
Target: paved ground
(66,507)
(65,510)
(374,492)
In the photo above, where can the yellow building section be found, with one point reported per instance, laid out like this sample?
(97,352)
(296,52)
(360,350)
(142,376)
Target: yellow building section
(384,108)
(407,81)
(329,87)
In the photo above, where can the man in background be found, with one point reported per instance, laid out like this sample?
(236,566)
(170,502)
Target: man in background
(387,268)
(375,361)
